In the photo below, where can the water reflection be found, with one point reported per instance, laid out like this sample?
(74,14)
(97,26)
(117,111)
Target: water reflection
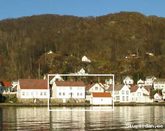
(38,118)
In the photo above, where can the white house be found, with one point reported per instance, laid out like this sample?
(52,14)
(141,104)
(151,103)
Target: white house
(128,81)
(163,93)
(95,87)
(159,84)
(57,77)
(122,93)
(140,83)
(140,94)
(81,72)
(85,59)
(149,80)
(101,98)
(68,89)
(158,97)
(32,88)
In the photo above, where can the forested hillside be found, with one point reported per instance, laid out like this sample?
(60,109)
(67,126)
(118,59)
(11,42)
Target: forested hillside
(122,43)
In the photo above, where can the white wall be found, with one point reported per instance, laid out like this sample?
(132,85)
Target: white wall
(101,101)
(33,93)
(68,92)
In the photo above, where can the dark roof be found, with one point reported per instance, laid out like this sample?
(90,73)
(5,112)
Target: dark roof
(134,88)
(33,84)
(118,87)
(101,94)
(70,83)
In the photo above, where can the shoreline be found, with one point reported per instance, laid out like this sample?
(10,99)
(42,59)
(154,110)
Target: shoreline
(77,104)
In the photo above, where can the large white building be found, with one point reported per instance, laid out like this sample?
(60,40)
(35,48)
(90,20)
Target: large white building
(68,89)
(32,88)
(122,93)
(140,94)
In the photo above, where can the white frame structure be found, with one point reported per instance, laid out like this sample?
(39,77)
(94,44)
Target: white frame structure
(93,108)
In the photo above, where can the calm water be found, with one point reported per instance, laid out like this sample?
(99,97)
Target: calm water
(123,118)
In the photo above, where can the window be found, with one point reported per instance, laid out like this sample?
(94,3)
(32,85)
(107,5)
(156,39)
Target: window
(123,98)
(77,94)
(23,93)
(45,93)
(80,94)
(96,88)
(101,99)
(41,93)
(127,98)
(63,94)
(127,92)
(117,98)
(122,91)
(59,93)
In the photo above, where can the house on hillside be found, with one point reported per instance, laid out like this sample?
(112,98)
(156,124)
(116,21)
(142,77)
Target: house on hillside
(159,84)
(122,93)
(57,77)
(32,89)
(140,83)
(158,97)
(128,80)
(65,90)
(85,59)
(101,98)
(149,80)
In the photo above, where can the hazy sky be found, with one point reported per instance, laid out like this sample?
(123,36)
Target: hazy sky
(18,8)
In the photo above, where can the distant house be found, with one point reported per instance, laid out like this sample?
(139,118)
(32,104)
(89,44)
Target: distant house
(159,84)
(32,88)
(163,93)
(149,80)
(122,93)
(81,72)
(158,97)
(101,98)
(128,80)
(140,94)
(85,59)
(57,77)
(5,87)
(68,89)
(140,83)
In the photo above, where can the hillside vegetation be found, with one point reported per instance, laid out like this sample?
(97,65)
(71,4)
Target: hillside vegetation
(125,43)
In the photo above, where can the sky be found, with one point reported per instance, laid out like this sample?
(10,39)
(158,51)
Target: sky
(19,8)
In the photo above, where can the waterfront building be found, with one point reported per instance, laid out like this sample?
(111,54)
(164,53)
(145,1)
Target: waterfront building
(122,93)
(32,89)
(140,94)
(101,98)
(68,90)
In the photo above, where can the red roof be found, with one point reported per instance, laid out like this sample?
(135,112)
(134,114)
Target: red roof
(6,84)
(101,94)
(70,83)
(33,84)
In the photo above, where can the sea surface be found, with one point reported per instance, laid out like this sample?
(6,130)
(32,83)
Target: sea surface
(82,118)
